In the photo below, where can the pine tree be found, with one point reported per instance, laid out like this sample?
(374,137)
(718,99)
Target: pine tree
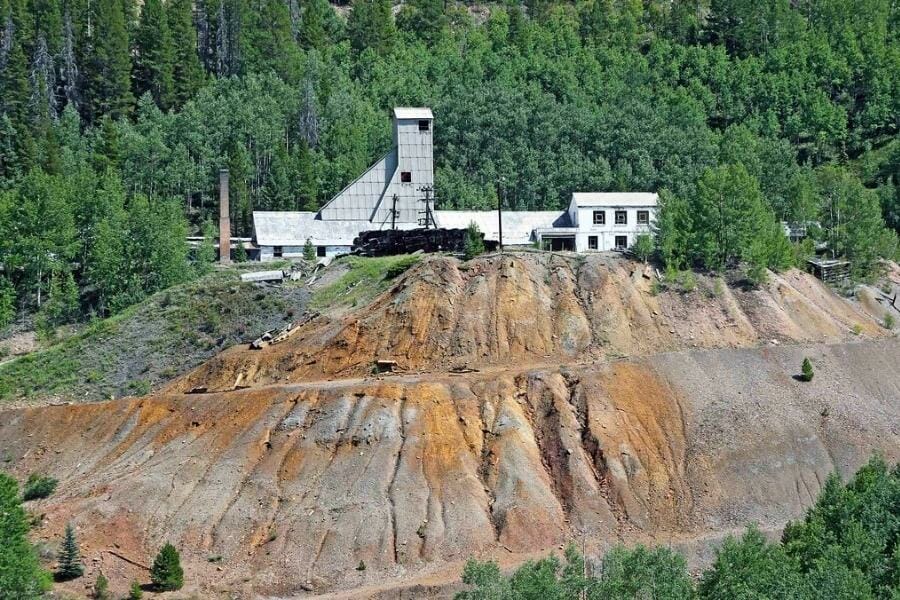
(70,566)
(311,32)
(15,97)
(371,25)
(309,251)
(21,577)
(807,370)
(187,74)
(108,65)
(166,573)
(154,56)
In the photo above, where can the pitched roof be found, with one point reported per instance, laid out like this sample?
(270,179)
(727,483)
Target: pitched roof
(614,198)
(405,112)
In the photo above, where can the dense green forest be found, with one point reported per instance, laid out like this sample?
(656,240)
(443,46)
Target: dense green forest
(115,116)
(847,547)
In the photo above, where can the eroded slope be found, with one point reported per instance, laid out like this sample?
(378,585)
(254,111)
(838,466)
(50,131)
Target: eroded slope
(294,485)
(536,307)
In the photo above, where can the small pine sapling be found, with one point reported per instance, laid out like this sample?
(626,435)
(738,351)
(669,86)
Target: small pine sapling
(807,370)
(101,588)
(309,251)
(166,573)
(135,592)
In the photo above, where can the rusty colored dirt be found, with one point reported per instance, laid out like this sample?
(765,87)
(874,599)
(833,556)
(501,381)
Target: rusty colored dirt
(285,487)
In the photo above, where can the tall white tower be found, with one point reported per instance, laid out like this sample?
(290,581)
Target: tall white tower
(392,189)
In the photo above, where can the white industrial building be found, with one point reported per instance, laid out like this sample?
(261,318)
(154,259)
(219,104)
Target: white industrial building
(397,191)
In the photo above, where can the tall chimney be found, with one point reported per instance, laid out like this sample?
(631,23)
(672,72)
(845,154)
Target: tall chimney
(224,219)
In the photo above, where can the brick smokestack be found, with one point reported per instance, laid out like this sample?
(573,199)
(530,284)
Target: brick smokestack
(224,219)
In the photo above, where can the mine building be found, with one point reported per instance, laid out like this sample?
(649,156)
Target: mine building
(397,192)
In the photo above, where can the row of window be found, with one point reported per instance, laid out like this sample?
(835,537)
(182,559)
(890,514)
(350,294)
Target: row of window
(278,251)
(621,217)
(621,242)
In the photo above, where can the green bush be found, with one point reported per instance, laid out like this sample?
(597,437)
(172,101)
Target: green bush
(309,251)
(101,588)
(474,242)
(889,321)
(806,370)
(643,247)
(38,486)
(135,592)
(166,573)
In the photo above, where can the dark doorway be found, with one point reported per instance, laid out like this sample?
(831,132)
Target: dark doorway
(559,244)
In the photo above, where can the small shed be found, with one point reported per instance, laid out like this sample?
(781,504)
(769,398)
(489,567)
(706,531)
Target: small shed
(831,271)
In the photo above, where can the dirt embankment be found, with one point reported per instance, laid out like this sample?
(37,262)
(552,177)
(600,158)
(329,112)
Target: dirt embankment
(294,486)
(531,307)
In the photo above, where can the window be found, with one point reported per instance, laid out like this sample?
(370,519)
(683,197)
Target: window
(277,251)
(405,177)
(320,251)
(424,125)
(599,217)
(643,217)
(621,242)
(621,217)
(592,242)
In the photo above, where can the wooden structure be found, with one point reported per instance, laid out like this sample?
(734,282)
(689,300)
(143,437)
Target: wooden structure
(832,271)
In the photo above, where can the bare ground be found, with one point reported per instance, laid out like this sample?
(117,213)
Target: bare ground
(284,488)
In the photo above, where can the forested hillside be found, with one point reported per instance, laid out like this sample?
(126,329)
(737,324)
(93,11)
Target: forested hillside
(115,116)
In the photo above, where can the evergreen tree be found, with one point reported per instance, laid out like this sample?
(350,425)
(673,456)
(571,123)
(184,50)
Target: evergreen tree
(70,566)
(312,33)
(474,244)
(371,25)
(154,55)
(21,577)
(7,302)
(425,19)
(807,370)
(108,64)
(187,72)
(309,251)
(15,97)
(166,573)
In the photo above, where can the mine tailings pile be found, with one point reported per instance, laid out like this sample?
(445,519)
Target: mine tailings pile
(536,399)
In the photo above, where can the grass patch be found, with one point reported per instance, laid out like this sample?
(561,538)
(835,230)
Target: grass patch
(365,278)
(151,342)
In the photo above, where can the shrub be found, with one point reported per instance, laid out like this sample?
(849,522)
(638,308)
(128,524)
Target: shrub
(474,242)
(135,593)
(807,370)
(101,588)
(688,281)
(643,247)
(166,573)
(240,253)
(70,566)
(38,486)
(889,321)
(309,251)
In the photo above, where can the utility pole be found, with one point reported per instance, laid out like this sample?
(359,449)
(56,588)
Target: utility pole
(500,199)
(429,217)
(394,213)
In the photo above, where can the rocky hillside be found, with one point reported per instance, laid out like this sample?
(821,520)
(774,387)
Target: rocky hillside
(539,307)
(316,475)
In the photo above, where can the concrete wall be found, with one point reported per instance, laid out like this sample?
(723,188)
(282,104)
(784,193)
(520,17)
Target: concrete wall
(607,233)
(267,253)
(415,155)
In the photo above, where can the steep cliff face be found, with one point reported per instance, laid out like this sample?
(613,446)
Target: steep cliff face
(537,307)
(298,465)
